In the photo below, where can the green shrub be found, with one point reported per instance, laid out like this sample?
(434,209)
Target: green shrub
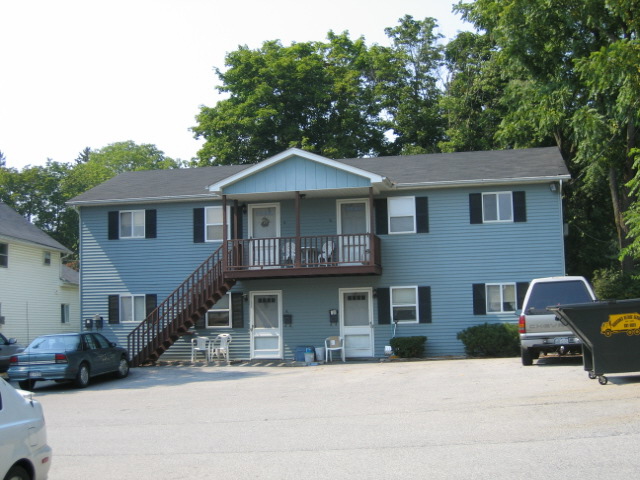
(613,284)
(491,340)
(408,347)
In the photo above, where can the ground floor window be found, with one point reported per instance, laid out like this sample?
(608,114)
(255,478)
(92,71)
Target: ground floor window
(132,308)
(404,304)
(220,314)
(64,313)
(501,297)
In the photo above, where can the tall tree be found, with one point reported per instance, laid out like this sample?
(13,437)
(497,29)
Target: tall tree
(558,54)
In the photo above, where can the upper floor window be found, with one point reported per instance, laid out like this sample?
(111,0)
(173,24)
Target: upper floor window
(132,224)
(4,255)
(213,224)
(220,314)
(46,258)
(402,215)
(501,297)
(404,304)
(497,207)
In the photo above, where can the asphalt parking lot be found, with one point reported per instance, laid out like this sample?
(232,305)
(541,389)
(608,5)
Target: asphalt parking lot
(442,419)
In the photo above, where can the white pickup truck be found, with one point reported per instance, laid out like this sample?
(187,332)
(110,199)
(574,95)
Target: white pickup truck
(540,331)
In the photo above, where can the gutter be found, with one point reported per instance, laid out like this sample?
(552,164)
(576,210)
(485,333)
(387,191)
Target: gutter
(483,181)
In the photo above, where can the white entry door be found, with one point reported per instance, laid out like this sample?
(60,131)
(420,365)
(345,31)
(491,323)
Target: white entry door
(353,220)
(264,230)
(357,321)
(266,324)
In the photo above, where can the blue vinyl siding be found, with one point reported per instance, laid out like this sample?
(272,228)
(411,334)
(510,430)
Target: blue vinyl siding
(296,174)
(450,258)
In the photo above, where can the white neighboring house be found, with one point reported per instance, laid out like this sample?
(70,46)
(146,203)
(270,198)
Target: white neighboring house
(38,294)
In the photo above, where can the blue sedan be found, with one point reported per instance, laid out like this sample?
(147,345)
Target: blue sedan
(75,357)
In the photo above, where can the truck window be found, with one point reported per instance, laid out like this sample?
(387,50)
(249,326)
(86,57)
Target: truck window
(547,294)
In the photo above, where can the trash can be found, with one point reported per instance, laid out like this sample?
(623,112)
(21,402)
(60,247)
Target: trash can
(610,333)
(320,354)
(301,351)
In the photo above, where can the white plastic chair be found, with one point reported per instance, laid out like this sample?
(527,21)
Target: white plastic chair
(326,255)
(200,344)
(220,346)
(332,344)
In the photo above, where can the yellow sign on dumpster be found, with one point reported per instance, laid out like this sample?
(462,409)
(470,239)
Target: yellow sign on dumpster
(624,322)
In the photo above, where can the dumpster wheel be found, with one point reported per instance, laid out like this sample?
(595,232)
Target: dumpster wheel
(602,380)
(592,375)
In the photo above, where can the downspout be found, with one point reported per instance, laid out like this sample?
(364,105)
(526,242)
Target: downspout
(224,234)
(297,207)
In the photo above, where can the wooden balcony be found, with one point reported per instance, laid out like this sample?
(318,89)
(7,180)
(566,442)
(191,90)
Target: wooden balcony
(313,256)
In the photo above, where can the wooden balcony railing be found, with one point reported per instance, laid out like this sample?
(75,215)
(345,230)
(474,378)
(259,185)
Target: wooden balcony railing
(353,253)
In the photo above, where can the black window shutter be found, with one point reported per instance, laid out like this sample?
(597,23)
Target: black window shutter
(237,310)
(114,225)
(479,299)
(150,229)
(114,308)
(424,304)
(382,219)
(519,207)
(475,207)
(422,214)
(384,306)
(198,225)
(151,302)
(521,291)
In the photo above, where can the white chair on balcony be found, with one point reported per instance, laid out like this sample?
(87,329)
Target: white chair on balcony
(220,346)
(289,254)
(200,344)
(326,254)
(333,344)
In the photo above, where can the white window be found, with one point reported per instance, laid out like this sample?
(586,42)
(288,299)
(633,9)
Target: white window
(501,297)
(4,255)
(64,313)
(46,259)
(497,207)
(404,304)
(220,314)
(132,308)
(132,224)
(213,226)
(402,214)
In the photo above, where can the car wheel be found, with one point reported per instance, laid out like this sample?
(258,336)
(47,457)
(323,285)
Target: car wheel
(17,473)
(527,358)
(26,384)
(82,378)
(123,368)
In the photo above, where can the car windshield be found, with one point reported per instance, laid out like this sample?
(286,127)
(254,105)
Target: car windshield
(548,294)
(54,343)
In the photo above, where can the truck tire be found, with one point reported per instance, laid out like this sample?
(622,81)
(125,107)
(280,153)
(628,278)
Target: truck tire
(527,357)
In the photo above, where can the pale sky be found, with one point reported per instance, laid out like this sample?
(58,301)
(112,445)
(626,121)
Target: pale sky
(89,73)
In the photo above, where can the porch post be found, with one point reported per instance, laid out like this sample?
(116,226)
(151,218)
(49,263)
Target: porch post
(298,245)
(372,243)
(224,233)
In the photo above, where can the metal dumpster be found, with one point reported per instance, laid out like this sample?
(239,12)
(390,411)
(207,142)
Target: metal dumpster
(610,333)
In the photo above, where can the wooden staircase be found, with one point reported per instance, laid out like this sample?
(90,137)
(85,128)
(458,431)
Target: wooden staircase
(179,311)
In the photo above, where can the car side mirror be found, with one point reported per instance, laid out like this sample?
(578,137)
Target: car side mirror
(518,313)
(12,341)
(113,344)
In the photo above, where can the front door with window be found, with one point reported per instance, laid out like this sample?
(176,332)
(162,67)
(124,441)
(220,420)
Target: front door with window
(266,327)
(264,230)
(356,319)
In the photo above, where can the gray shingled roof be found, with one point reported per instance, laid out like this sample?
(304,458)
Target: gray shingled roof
(441,168)
(14,225)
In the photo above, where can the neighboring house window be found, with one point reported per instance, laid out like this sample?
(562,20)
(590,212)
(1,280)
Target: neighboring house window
(497,207)
(132,224)
(64,313)
(47,258)
(402,215)
(1,317)
(220,314)
(213,226)
(4,255)
(404,304)
(398,215)
(132,308)
(498,297)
